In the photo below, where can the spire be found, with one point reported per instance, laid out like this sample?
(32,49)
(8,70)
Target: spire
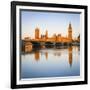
(37,28)
(46,34)
(70,31)
(70,27)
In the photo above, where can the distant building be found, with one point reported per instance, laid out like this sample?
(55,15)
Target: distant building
(70,31)
(27,38)
(46,34)
(37,33)
(59,37)
(43,37)
(78,39)
(56,38)
(28,47)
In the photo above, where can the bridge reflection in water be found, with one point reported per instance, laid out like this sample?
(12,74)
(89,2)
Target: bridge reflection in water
(40,61)
(37,55)
(38,51)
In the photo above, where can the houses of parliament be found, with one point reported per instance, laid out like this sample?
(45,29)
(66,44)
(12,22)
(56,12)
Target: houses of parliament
(54,38)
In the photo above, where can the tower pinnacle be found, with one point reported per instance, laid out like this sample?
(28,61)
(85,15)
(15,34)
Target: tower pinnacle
(70,27)
(70,31)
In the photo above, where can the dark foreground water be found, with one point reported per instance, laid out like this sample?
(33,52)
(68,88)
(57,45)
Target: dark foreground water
(51,62)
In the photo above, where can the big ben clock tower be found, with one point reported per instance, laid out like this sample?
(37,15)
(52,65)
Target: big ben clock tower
(70,31)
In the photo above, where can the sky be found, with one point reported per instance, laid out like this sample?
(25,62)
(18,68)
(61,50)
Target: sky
(52,21)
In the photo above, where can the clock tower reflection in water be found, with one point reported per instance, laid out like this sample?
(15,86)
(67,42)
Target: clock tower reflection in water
(37,55)
(51,62)
(70,55)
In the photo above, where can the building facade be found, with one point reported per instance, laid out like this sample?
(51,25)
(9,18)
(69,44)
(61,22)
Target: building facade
(37,33)
(55,37)
(70,31)
(46,34)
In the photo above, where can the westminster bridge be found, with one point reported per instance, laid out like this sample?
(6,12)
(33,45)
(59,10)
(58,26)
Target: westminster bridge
(27,45)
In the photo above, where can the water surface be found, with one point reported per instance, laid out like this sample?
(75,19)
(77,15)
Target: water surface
(51,62)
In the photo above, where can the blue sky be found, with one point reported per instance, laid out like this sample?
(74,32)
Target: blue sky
(51,21)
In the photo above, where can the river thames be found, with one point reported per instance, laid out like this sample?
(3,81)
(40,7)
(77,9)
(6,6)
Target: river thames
(51,62)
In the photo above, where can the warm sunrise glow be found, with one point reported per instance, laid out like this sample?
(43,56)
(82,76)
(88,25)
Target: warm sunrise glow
(54,23)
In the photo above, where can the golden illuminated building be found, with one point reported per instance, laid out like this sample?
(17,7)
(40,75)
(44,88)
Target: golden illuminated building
(70,31)
(55,37)
(37,32)
(27,38)
(28,47)
(59,37)
(78,39)
(46,34)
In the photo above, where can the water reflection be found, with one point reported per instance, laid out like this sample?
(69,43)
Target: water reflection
(70,55)
(37,55)
(56,61)
(46,55)
(57,51)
